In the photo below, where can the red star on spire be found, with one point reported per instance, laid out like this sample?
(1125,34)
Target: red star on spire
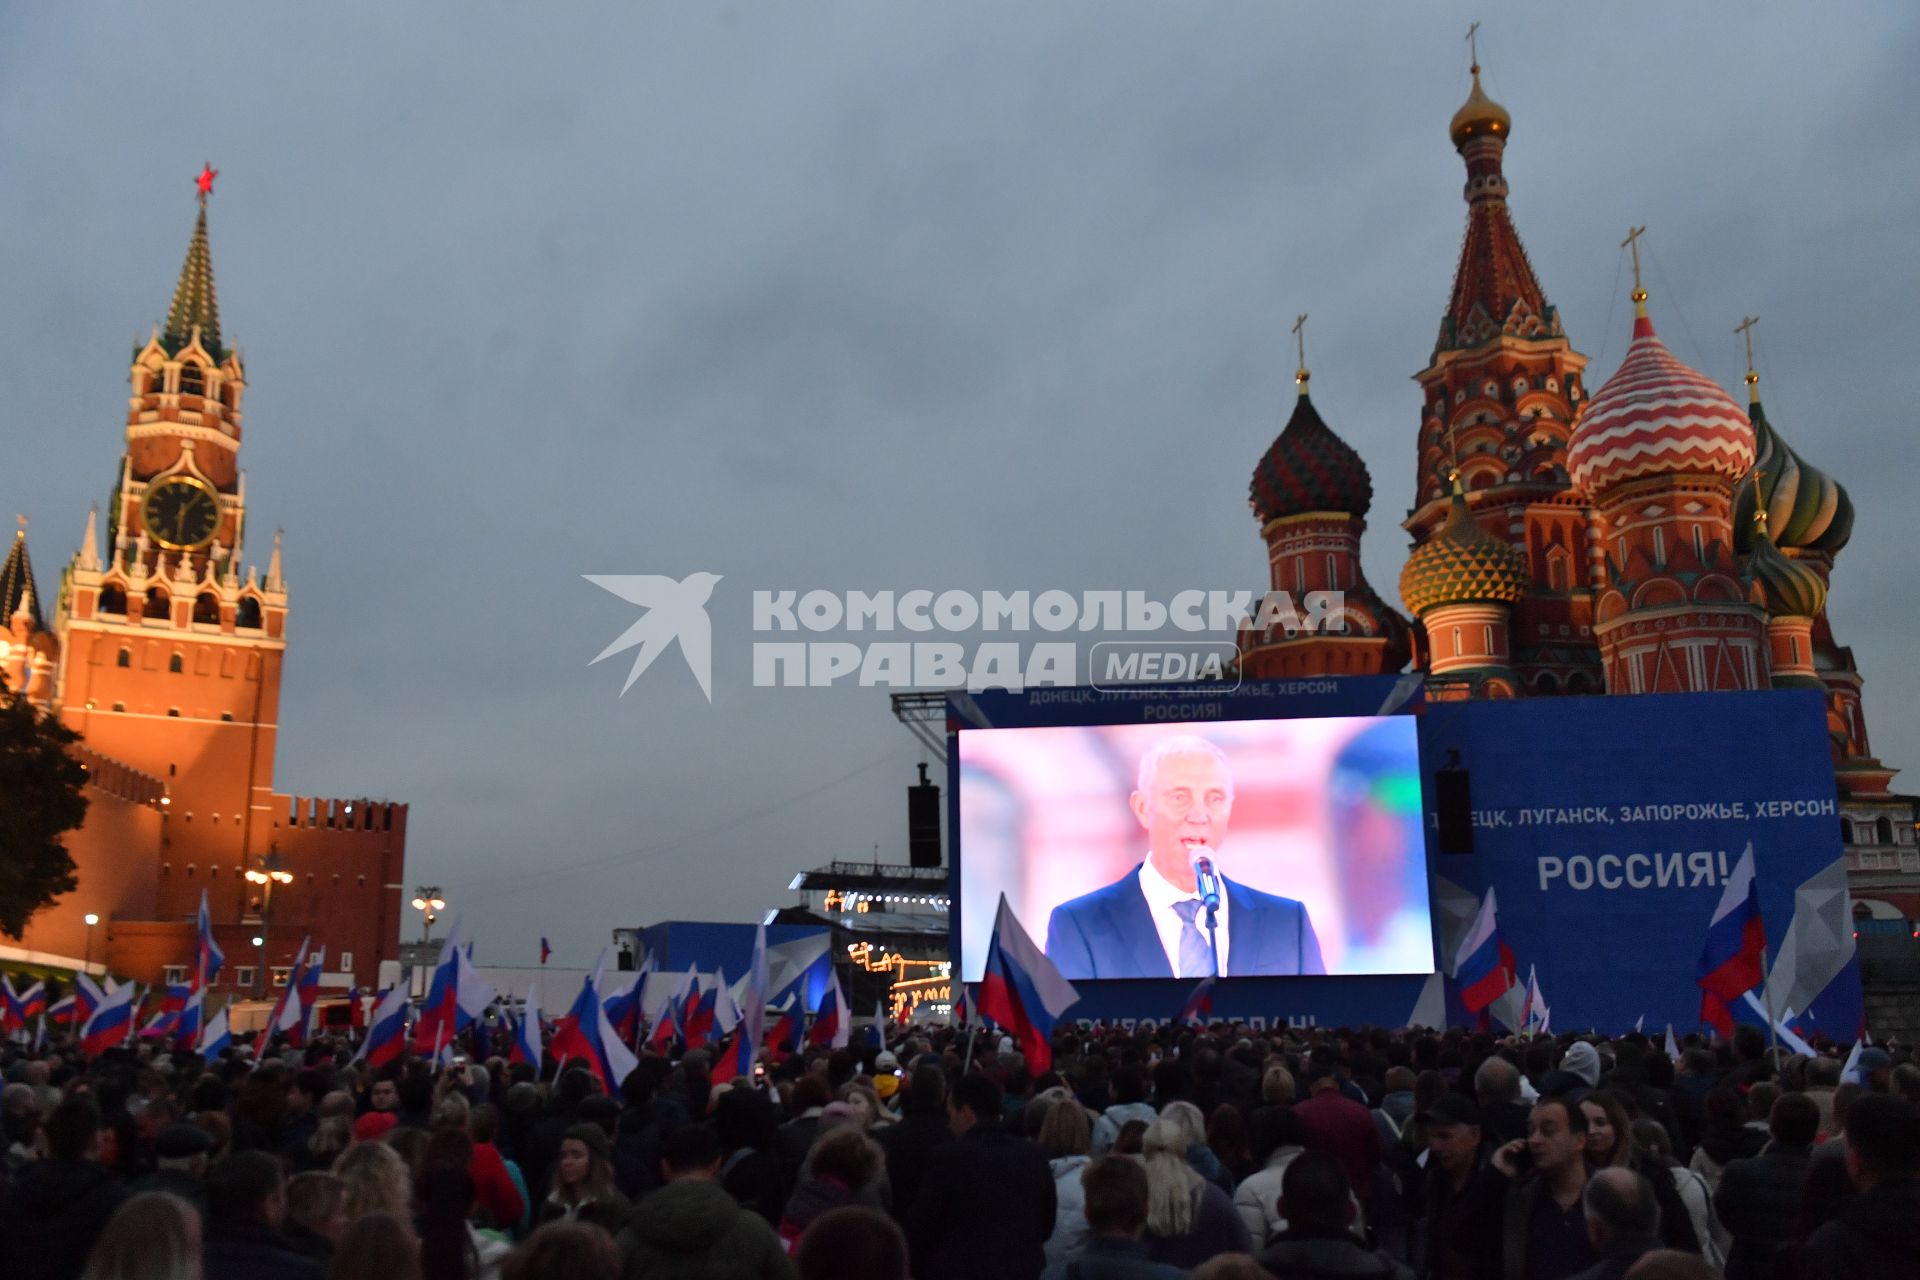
(205,181)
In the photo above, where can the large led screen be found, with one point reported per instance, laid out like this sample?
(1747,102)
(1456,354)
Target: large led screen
(1101,838)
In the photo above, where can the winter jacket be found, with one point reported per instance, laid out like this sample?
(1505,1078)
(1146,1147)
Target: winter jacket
(1070,1229)
(1758,1200)
(255,1251)
(910,1146)
(810,1199)
(692,1229)
(51,1218)
(1314,1253)
(1111,1258)
(1106,1130)
(1871,1238)
(1258,1198)
(1617,1258)
(1391,1117)
(985,1209)
(1215,1228)
(610,1212)
(1717,1150)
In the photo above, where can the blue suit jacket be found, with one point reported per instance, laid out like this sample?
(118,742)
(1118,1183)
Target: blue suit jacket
(1109,933)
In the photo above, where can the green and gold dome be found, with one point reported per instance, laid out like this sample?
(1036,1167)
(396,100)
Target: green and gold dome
(1461,564)
(1806,508)
(1789,588)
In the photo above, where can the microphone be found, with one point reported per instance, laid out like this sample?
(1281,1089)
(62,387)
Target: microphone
(1205,879)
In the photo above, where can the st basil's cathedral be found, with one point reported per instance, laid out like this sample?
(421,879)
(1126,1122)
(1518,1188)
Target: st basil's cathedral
(1647,536)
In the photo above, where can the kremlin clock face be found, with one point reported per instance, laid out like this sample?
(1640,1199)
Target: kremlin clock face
(181,513)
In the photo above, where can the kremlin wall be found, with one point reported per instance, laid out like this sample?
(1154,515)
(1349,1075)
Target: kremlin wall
(1651,535)
(162,648)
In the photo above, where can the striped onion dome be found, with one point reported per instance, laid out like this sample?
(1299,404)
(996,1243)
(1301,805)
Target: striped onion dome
(1655,416)
(1788,588)
(1807,510)
(1309,468)
(1461,564)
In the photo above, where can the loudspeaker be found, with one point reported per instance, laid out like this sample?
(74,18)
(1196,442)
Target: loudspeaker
(1453,796)
(923,822)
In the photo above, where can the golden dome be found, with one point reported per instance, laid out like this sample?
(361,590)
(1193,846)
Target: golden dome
(1479,115)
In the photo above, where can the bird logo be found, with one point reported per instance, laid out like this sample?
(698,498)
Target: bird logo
(674,611)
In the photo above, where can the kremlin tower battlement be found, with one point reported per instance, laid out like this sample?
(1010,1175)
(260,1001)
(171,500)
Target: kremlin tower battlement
(163,650)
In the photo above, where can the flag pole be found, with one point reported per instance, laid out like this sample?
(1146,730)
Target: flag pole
(1773,1024)
(972,1031)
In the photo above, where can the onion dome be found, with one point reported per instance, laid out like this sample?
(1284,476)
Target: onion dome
(1479,116)
(16,583)
(1788,588)
(1461,564)
(1308,468)
(1656,416)
(1806,508)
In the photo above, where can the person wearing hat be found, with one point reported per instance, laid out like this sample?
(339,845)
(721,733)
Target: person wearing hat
(583,1187)
(1456,1152)
(180,1156)
(1875,1068)
(1577,1075)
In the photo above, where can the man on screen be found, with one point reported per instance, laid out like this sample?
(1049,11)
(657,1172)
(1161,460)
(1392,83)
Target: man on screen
(1151,923)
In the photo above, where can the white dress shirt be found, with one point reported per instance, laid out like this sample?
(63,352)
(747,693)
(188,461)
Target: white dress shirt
(1161,893)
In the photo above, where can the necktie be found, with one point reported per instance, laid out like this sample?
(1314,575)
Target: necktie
(1196,954)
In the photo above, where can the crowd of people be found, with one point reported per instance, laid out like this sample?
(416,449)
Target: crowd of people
(1222,1153)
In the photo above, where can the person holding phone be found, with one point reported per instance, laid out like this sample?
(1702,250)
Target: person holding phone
(1525,1219)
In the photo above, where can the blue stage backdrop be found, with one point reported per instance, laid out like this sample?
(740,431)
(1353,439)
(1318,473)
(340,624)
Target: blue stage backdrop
(796,954)
(1606,826)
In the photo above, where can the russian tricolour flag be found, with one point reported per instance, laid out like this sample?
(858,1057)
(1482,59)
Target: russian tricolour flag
(211,958)
(387,1030)
(583,1034)
(833,1021)
(111,1023)
(215,1038)
(1485,967)
(749,1018)
(1022,991)
(1733,960)
(526,1031)
(1199,1005)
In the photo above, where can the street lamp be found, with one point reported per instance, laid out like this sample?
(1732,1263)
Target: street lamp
(428,902)
(92,920)
(268,874)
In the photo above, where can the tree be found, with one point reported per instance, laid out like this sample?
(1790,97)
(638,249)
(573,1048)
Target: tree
(41,799)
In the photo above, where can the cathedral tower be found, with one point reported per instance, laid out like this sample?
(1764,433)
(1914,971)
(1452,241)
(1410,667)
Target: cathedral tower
(1500,396)
(1660,451)
(1311,493)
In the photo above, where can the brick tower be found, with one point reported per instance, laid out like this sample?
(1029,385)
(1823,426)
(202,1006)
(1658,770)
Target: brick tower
(1501,392)
(171,652)
(165,653)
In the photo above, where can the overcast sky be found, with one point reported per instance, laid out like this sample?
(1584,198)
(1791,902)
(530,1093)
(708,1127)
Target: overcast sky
(864,296)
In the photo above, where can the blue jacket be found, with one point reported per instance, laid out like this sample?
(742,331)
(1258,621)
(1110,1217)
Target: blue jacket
(1109,933)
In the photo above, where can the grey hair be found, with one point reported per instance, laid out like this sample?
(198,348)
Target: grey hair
(1184,744)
